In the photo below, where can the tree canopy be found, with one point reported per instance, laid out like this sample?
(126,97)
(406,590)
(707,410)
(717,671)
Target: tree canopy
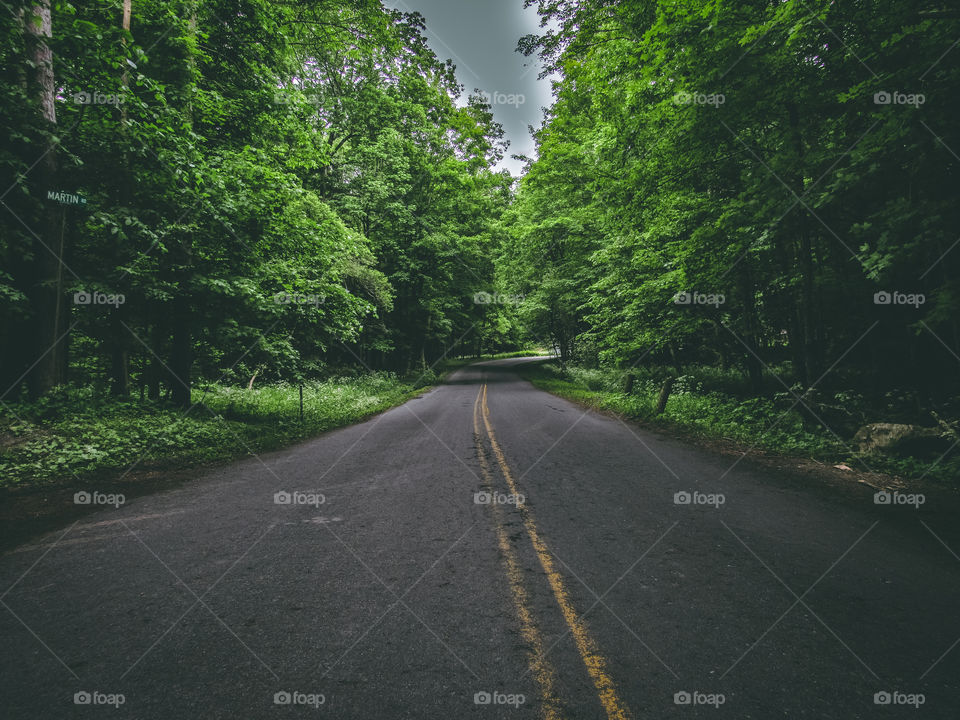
(750,184)
(286,186)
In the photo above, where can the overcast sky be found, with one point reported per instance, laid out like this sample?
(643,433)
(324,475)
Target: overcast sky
(480,36)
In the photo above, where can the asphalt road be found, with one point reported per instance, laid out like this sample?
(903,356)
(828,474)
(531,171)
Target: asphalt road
(388,588)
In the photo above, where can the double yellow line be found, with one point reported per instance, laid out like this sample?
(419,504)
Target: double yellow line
(542,671)
(540,667)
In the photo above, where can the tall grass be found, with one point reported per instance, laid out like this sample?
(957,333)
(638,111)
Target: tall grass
(75,432)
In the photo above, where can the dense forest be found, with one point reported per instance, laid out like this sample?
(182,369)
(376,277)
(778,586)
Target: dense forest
(205,189)
(765,189)
(755,198)
(734,183)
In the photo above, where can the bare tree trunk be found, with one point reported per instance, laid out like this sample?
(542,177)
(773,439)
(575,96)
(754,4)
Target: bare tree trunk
(805,308)
(155,371)
(119,353)
(45,285)
(181,360)
(752,327)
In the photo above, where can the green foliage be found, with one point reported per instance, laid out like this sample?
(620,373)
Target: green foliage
(311,150)
(320,153)
(737,150)
(752,422)
(77,432)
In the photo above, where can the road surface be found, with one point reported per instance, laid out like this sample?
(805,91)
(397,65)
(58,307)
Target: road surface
(488,551)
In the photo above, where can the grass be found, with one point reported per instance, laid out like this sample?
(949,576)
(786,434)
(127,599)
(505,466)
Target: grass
(542,352)
(75,433)
(697,408)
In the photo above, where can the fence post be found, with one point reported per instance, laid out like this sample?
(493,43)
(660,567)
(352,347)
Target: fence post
(664,395)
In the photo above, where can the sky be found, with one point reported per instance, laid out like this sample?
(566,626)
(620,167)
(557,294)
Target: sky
(480,37)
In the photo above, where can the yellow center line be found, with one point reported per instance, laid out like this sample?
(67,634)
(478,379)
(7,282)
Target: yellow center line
(587,647)
(540,667)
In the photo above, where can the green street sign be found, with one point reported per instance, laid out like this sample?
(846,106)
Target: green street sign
(66,198)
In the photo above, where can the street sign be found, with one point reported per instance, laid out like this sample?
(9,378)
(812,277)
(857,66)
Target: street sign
(66,198)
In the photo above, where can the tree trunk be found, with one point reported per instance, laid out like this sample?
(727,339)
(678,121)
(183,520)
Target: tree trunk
(119,354)
(674,359)
(181,354)
(154,370)
(119,358)
(805,309)
(181,360)
(45,284)
(751,325)
(664,395)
